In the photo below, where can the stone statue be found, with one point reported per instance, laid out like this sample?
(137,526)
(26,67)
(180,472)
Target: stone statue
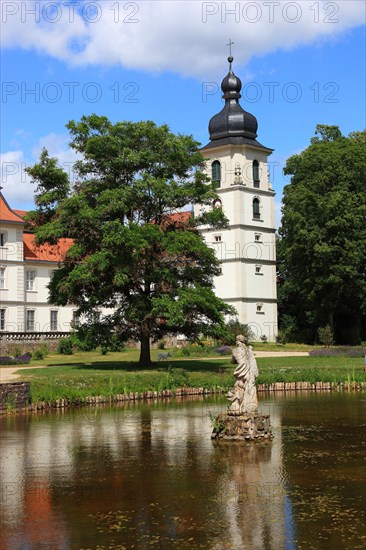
(243,397)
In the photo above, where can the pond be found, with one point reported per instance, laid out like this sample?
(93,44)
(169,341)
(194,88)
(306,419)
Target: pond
(148,476)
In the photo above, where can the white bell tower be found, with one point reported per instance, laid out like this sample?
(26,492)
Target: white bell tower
(237,165)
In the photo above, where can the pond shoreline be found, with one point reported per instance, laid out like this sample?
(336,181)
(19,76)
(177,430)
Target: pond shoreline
(15,396)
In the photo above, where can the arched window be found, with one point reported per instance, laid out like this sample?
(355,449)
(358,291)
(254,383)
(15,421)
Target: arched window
(256,211)
(255,173)
(216,173)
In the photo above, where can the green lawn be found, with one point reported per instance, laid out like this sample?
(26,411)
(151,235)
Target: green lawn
(86,374)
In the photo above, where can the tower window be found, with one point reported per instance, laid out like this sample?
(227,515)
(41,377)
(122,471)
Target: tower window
(258,237)
(256,210)
(216,173)
(260,309)
(255,173)
(217,238)
(3,239)
(258,270)
(2,277)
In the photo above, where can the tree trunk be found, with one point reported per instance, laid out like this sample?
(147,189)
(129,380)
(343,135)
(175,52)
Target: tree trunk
(145,357)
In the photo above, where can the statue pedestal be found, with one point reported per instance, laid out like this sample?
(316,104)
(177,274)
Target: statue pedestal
(242,427)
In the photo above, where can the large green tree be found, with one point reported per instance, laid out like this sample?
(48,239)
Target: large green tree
(133,252)
(322,244)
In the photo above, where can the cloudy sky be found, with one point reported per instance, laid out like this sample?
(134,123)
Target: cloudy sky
(301,63)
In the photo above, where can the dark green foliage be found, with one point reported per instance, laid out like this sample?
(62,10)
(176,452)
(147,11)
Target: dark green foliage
(40,353)
(155,273)
(53,187)
(322,245)
(281,337)
(65,346)
(326,336)
(232,329)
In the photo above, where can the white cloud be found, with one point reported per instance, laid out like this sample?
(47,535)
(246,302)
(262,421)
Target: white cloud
(14,181)
(188,37)
(17,187)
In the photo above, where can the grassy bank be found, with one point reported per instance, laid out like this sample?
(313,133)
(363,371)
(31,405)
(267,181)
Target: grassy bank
(88,374)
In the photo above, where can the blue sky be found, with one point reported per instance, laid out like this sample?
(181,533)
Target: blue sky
(301,63)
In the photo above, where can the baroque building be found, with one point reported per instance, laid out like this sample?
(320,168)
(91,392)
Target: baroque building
(25,272)
(237,165)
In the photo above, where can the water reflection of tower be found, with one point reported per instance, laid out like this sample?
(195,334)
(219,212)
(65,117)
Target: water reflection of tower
(252,495)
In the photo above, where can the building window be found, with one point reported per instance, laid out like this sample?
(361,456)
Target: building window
(217,203)
(2,277)
(217,238)
(260,309)
(255,173)
(216,173)
(258,270)
(30,315)
(31,275)
(3,239)
(54,320)
(256,211)
(2,319)
(258,237)
(75,320)
(95,317)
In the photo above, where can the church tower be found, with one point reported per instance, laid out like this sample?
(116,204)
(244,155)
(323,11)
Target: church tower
(237,165)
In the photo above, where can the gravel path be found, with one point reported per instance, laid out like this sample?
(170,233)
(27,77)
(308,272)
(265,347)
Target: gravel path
(7,374)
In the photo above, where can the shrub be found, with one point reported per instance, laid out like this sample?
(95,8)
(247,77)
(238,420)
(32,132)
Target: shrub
(19,360)
(40,352)
(264,339)
(232,329)
(7,360)
(326,335)
(65,346)
(281,337)
(224,350)
(23,359)
(161,344)
(338,352)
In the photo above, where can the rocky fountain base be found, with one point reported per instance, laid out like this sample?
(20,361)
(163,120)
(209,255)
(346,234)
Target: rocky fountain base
(242,427)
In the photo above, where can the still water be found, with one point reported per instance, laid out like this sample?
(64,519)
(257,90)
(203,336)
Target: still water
(148,476)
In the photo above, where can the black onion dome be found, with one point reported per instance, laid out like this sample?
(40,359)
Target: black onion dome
(232,121)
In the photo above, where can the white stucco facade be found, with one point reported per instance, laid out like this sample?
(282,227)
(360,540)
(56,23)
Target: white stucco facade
(24,303)
(247,247)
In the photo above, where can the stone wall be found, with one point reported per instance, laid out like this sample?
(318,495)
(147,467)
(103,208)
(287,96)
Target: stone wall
(14,396)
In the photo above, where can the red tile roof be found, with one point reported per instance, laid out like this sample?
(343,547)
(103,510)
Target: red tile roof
(7,214)
(20,213)
(177,219)
(45,252)
(180,217)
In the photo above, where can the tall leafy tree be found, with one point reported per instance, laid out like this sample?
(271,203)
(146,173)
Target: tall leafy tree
(322,245)
(133,252)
